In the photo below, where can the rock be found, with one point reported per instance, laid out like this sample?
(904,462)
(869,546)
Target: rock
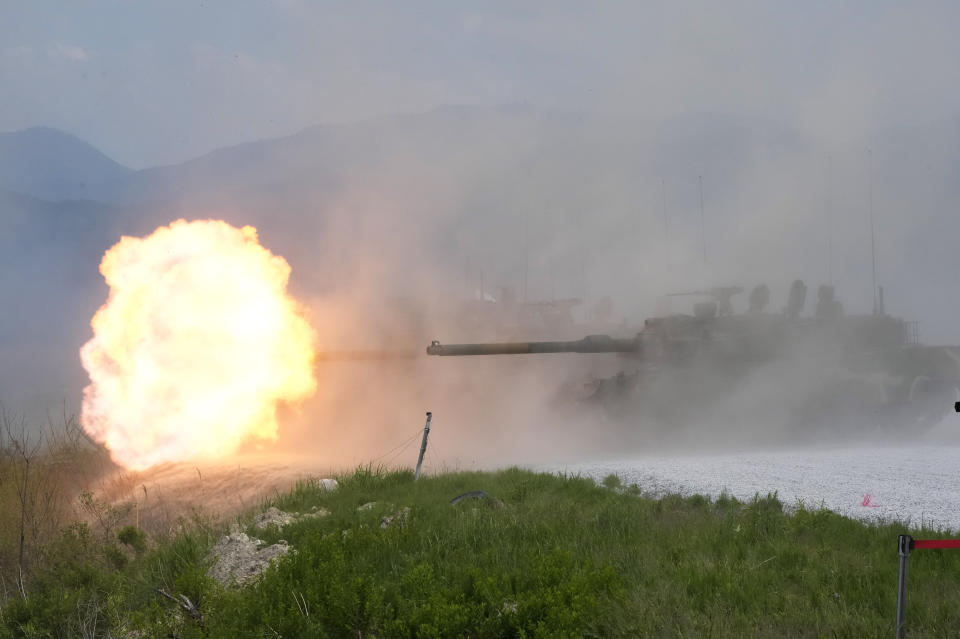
(477,494)
(400,517)
(273,516)
(328,483)
(367,506)
(239,558)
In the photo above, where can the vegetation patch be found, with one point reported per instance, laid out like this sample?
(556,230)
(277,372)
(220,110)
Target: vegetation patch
(537,555)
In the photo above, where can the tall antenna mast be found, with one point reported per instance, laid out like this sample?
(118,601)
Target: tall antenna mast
(526,253)
(666,220)
(873,240)
(553,265)
(830,219)
(703,222)
(583,258)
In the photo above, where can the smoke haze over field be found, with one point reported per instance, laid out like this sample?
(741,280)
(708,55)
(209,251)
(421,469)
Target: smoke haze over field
(394,208)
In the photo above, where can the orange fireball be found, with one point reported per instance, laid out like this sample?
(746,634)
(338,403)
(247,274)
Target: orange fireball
(196,344)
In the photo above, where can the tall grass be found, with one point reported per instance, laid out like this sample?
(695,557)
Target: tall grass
(40,470)
(566,556)
(541,556)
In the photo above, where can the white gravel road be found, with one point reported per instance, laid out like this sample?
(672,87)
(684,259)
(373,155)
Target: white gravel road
(917,483)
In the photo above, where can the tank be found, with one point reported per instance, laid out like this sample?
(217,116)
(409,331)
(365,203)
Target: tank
(821,371)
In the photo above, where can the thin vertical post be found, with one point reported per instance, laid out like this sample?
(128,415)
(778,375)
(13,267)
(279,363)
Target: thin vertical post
(553,264)
(526,253)
(873,237)
(583,258)
(423,445)
(830,219)
(903,550)
(703,221)
(666,220)
(467,276)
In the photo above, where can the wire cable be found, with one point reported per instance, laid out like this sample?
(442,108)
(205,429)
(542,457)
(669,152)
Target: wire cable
(405,442)
(400,452)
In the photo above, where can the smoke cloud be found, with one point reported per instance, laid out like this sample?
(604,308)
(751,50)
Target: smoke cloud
(642,151)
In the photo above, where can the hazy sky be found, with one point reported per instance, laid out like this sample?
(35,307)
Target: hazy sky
(160,82)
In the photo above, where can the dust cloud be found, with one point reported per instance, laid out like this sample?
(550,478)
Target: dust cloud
(414,250)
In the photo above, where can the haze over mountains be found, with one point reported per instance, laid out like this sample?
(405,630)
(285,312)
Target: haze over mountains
(426,206)
(53,165)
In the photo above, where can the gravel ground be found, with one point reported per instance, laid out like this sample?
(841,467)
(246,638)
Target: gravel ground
(914,483)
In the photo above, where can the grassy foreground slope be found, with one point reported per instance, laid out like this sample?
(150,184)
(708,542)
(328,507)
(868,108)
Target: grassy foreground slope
(560,556)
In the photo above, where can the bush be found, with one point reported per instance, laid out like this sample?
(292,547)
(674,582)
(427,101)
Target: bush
(133,537)
(611,481)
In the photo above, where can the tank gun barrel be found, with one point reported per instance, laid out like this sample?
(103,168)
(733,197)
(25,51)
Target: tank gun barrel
(365,355)
(717,291)
(589,344)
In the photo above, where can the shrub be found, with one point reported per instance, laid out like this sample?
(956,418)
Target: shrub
(133,537)
(611,481)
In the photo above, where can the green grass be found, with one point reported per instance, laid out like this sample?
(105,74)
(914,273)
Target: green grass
(561,556)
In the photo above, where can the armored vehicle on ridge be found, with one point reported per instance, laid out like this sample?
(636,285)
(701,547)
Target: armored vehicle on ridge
(822,371)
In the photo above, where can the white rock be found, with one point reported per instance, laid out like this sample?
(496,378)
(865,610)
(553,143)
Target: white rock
(328,483)
(273,516)
(240,559)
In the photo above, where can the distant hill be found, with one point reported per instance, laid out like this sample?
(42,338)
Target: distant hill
(50,287)
(52,165)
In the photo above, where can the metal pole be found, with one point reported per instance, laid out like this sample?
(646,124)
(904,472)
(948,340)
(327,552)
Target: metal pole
(830,219)
(526,253)
(703,221)
(666,220)
(873,237)
(583,258)
(423,445)
(904,542)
